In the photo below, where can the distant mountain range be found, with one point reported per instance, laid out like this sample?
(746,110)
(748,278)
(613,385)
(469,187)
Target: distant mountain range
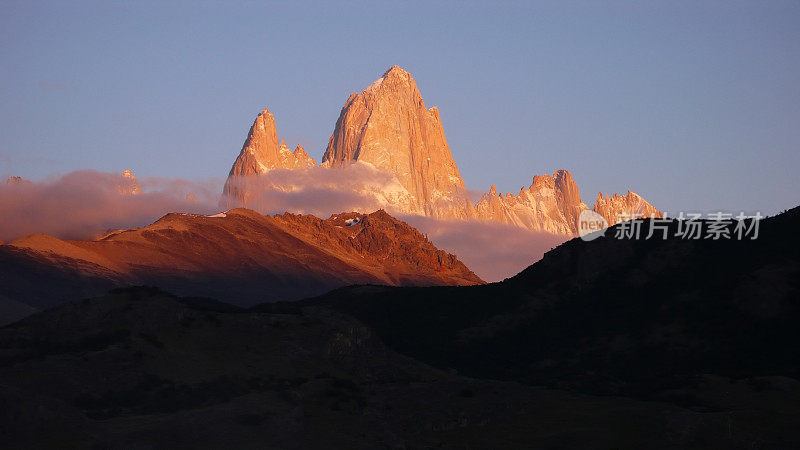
(389,127)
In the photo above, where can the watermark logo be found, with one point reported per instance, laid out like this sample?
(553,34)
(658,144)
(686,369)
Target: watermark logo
(692,226)
(591,225)
(686,226)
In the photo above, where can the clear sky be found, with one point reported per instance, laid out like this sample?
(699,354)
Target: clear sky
(695,105)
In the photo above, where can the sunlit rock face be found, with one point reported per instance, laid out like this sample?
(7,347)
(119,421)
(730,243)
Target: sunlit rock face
(551,204)
(128,184)
(14,181)
(389,126)
(246,258)
(630,205)
(263,152)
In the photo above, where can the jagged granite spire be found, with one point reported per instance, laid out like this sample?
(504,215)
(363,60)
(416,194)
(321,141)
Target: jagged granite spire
(389,126)
(551,204)
(262,153)
(628,205)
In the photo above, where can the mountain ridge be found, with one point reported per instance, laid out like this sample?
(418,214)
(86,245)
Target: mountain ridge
(239,255)
(388,126)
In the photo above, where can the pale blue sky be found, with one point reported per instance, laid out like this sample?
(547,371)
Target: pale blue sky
(695,105)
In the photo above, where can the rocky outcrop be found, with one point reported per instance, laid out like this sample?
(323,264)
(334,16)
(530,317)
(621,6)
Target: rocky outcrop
(618,208)
(408,257)
(16,181)
(388,126)
(551,204)
(301,157)
(128,184)
(261,153)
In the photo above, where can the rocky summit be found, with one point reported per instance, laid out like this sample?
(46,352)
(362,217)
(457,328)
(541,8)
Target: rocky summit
(618,208)
(262,152)
(388,127)
(551,204)
(128,184)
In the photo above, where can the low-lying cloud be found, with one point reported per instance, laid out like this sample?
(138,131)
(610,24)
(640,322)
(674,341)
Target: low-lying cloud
(86,204)
(322,192)
(493,251)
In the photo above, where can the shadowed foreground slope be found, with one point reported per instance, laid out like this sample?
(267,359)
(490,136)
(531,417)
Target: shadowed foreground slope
(707,325)
(637,314)
(142,368)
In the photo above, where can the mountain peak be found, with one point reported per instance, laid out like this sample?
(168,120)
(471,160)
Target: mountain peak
(388,126)
(14,180)
(262,152)
(631,204)
(299,151)
(128,185)
(552,204)
(396,72)
(393,80)
(564,177)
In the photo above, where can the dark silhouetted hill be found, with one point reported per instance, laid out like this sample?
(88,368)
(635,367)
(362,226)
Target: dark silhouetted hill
(140,368)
